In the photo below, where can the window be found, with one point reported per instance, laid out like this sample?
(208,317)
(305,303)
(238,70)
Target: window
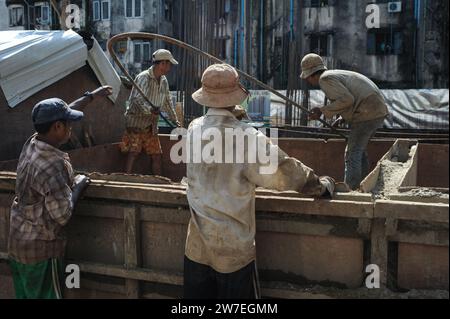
(96,10)
(227,6)
(105,10)
(133,8)
(128,8)
(146,52)
(142,52)
(220,28)
(137,8)
(101,10)
(318,43)
(42,13)
(385,42)
(15,16)
(168,11)
(319,3)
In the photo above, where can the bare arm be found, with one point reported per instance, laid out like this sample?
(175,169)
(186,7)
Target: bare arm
(167,107)
(84,101)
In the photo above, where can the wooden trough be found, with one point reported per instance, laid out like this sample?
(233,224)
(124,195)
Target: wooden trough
(128,237)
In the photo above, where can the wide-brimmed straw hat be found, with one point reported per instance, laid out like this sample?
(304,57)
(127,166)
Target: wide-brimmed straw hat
(311,64)
(220,87)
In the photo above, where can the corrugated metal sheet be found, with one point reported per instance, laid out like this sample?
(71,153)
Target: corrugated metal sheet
(32,60)
(103,69)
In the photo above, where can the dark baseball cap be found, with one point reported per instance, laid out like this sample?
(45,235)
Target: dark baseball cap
(53,110)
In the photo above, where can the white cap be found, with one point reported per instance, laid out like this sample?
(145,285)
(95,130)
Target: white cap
(164,55)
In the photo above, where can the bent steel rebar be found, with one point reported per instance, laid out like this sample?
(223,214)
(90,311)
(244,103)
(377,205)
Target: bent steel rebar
(154,36)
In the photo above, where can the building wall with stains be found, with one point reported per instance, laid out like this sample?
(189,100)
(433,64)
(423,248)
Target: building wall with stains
(418,56)
(153,16)
(34,15)
(413,53)
(343,28)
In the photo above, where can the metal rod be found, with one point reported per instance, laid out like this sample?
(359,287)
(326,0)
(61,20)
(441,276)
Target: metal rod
(152,36)
(136,86)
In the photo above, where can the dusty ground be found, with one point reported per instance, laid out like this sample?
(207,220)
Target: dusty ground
(319,292)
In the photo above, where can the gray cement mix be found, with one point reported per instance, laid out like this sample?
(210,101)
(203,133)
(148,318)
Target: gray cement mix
(392,173)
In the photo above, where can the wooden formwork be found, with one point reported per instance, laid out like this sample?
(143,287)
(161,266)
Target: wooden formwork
(128,234)
(128,239)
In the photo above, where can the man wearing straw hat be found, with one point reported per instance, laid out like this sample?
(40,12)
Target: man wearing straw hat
(220,249)
(358,101)
(142,118)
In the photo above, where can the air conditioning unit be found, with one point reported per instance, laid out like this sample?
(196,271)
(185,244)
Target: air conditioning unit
(395,7)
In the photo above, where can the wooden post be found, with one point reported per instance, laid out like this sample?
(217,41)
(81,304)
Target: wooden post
(379,253)
(132,249)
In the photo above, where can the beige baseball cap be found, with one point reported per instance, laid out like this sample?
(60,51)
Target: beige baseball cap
(311,64)
(164,55)
(220,87)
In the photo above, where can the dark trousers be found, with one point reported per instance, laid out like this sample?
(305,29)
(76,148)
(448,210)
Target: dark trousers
(203,282)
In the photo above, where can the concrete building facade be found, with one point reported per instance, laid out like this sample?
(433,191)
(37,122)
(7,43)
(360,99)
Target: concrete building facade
(111,17)
(399,44)
(406,49)
(32,15)
(406,46)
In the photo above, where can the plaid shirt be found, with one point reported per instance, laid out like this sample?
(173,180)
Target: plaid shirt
(43,203)
(138,114)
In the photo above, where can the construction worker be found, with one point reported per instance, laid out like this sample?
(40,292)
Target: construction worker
(46,194)
(142,119)
(220,248)
(358,101)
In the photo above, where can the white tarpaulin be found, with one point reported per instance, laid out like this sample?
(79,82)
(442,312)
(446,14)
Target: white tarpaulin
(409,109)
(32,60)
(417,109)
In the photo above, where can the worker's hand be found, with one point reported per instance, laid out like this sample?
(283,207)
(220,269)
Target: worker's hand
(338,122)
(315,114)
(328,186)
(102,92)
(177,123)
(81,182)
